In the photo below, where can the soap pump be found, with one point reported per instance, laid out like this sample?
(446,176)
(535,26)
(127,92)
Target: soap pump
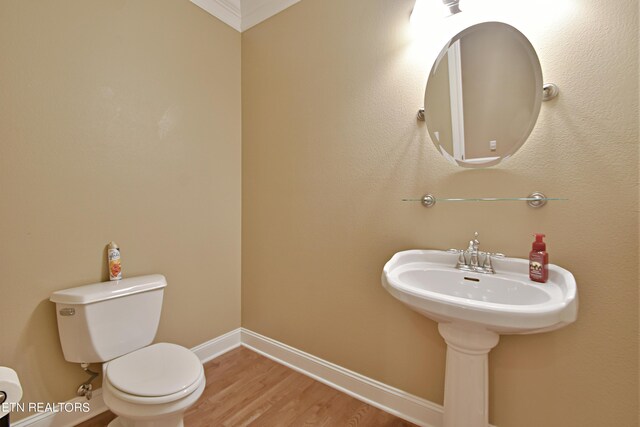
(539,260)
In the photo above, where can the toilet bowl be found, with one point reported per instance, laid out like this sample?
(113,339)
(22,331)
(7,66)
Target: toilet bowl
(153,386)
(115,323)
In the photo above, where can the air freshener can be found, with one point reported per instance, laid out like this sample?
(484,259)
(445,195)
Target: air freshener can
(113,259)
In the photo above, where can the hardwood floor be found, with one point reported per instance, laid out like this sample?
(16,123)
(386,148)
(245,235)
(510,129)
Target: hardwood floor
(99,421)
(247,389)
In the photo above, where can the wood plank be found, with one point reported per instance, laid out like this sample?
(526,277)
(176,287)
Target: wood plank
(247,389)
(100,420)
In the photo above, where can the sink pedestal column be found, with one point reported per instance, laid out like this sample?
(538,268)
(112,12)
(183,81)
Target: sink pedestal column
(466,385)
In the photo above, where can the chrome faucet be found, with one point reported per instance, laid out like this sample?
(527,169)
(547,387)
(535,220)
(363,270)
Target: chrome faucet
(469,259)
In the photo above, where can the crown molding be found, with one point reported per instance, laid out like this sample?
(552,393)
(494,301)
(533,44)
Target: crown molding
(244,14)
(256,11)
(228,11)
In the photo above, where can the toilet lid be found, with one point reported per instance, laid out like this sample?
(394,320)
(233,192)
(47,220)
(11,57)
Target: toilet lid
(158,370)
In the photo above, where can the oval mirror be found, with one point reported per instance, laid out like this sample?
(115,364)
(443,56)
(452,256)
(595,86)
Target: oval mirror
(483,95)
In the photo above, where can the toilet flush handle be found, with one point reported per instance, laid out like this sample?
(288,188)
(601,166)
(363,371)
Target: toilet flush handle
(70,311)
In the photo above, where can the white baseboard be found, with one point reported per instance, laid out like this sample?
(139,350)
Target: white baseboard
(218,346)
(389,399)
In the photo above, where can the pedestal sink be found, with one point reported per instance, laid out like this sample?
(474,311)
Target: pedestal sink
(472,310)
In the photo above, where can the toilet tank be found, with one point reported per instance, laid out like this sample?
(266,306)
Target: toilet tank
(102,321)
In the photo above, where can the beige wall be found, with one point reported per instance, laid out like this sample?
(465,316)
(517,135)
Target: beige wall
(121,120)
(331,146)
(118,120)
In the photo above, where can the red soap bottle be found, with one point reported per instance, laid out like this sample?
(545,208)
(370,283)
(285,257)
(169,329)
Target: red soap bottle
(539,260)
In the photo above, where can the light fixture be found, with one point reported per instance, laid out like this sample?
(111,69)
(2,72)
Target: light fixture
(453,6)
(429,9)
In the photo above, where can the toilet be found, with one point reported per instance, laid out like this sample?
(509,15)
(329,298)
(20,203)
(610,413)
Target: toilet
(146,385)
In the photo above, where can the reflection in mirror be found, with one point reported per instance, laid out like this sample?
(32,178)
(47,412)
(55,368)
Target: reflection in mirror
(483,95)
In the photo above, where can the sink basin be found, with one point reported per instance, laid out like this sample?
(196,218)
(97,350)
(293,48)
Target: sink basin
(472,310)
(506,302)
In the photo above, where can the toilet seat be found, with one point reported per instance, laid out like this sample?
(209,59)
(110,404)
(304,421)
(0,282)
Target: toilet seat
(156,374)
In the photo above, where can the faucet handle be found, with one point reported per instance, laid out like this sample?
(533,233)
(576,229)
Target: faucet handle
(487,260)
(460,252)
